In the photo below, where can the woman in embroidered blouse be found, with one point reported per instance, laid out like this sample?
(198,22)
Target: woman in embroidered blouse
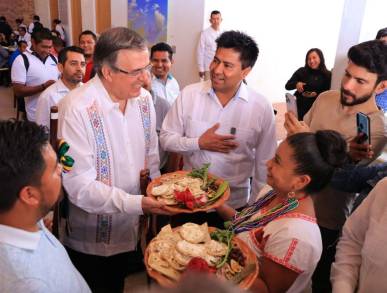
(309,81)
(281,226)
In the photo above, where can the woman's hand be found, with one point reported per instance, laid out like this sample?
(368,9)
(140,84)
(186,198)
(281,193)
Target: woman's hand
(225,211)
(300,86)
(309,94)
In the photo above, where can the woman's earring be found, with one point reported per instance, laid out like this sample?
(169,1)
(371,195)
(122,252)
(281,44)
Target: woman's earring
(291,194)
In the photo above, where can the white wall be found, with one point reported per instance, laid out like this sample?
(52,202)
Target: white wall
(88,16)
(185,22)
(360,22)
(350,28)
(284,31)
(42,8)
(119,12)
(375,18)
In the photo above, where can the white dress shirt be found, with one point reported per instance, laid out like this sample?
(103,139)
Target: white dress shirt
(48,98)
(38,73)
(361,258)
(207,48)
(168,90)
(251,114)
(26,38)
(109,149)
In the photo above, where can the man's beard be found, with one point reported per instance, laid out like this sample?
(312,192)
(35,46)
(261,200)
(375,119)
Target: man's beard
(355,101)
(45,207)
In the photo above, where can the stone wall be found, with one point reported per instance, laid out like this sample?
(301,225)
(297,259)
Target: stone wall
(13,9)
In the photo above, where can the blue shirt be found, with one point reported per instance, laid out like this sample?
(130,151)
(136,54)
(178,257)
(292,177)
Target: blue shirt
(381,101)
(36,262)
(13,57)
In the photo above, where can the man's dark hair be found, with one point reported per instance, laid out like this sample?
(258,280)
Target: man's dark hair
(241,43)
(164,47)
(3,19)
(88,32)
(40,35)
(36,18)
(57,42)
(57,21)
(214,12)
(371,55)
(19,43)
(62,56)
(21,159)
(381,33)
(111,42)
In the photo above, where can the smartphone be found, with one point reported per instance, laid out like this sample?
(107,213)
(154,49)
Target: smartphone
(291,104)
(364,127)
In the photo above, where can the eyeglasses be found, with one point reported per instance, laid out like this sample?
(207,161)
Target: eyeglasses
(134,73)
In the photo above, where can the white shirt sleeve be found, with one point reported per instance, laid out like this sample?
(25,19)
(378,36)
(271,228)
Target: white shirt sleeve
(83,189)
(43,109)
(18,71)
(345,270)
(31,27)
(200,52)
(264,151)
(172,135)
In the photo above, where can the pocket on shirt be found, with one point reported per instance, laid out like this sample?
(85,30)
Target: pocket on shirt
(196,128)
(246,139)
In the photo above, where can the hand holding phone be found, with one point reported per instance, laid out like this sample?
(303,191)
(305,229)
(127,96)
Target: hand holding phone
(291,104)
(363,128)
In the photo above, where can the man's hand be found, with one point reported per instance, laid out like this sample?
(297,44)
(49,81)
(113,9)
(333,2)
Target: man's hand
(152,206)
(201,74)
(48,83)
(292,125)
(211,141)
(360,151)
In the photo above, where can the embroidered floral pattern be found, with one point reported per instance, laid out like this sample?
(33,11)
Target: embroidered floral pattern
(104,228)
(104,222)
(102,157)
(143,103)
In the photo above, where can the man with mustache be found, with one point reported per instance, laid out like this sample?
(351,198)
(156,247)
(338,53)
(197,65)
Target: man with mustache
(72,66)
(110,125)
(364,77)
(226,123)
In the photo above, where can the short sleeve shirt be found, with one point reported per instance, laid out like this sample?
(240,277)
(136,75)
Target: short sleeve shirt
(38,73)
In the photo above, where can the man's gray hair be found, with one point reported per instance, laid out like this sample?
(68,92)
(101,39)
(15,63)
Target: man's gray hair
(111,42)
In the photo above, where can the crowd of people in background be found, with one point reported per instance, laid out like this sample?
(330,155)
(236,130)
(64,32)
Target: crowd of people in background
(123,114)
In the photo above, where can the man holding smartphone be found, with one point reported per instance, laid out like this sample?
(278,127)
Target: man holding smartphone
(365,76)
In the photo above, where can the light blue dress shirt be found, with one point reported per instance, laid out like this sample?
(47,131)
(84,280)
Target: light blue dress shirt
(36,262)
